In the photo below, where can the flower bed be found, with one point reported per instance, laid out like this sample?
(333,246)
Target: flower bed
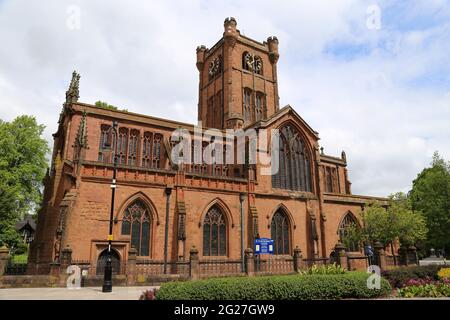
(400,276)
(425,288)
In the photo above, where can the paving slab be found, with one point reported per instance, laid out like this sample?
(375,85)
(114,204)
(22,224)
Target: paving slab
(85,293)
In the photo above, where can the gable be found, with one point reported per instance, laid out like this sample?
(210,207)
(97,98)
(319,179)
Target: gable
(284,115)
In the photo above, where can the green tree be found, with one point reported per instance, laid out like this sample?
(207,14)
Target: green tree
(23,165)
(397,221)
(409,225)
(430,194)
(105,105)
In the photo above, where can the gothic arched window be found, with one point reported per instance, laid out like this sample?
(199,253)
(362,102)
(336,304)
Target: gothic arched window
(104,150)
(294,171)
(136,222)
(156,161)
(147,150)
(279,232)
(133,143)
(345,233)
(218,110)
(122,143)
(214,233)
(259,106)
(247,105)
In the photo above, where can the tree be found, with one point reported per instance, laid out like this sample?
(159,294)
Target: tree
(430,194)
(386,225)
(23,165)
(410,226)
(105,105)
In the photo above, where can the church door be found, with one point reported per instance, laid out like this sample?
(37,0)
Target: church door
(101,262)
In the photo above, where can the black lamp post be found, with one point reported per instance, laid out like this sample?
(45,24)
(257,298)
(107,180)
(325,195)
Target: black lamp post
(107,280)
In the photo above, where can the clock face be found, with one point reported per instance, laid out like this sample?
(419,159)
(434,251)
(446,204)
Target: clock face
(214,67)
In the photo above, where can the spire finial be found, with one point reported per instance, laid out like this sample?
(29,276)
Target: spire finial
(72,94)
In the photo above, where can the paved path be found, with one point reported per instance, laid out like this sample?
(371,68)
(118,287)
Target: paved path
(88,293)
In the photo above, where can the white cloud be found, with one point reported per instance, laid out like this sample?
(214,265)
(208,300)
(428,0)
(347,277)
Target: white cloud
(382,95)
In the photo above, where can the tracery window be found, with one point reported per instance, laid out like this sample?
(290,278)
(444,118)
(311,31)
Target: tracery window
(136,222)
(259,106)
(330,179)
(349,221)
(218,111)
(122,143)
(210,111)
(156,156)
(147,150)
(104,150)
(247,105)
(294,172)
(133,143)
(214,233)
(279,232)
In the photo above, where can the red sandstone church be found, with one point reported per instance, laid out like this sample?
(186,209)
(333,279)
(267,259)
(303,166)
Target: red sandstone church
(218,209)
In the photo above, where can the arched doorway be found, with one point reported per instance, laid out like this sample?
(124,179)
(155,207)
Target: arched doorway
(101,262)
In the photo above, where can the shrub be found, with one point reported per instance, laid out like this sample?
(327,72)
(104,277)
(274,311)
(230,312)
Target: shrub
(444,273)
(21,248)
(291,287)
(148,294)
(432,290)
(324,269)
(399,276)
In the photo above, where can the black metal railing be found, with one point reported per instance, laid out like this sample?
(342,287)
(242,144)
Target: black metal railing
(16,268)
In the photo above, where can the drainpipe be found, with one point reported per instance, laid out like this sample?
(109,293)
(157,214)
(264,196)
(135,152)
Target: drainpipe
(168,191)
(241,202)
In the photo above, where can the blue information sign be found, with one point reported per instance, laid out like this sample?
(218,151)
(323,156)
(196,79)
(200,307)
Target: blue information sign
(263,246)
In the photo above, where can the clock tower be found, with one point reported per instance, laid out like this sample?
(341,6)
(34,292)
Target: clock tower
(238,80)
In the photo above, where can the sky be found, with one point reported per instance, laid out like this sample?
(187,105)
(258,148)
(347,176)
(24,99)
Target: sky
(372,77)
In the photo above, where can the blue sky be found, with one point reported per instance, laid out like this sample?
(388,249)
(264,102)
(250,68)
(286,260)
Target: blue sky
(382,95)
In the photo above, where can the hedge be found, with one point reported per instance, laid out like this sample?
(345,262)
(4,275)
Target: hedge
(291,287)
(399,276)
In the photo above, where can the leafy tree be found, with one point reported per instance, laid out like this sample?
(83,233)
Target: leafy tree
(107,106)
(430,194)
(23,165)
(397,221)
(410,226)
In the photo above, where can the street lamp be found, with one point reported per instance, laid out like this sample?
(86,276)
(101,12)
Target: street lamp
(107,280)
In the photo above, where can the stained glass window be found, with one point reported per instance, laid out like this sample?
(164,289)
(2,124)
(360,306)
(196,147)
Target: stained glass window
(347,222)
(214,233)
(294,172)
(136,221)
(279,231)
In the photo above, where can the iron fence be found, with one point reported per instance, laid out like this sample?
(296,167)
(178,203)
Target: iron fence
(220,267)
(14,268)
(392,261)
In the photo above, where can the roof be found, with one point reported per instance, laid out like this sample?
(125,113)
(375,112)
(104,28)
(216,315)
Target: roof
(23,223)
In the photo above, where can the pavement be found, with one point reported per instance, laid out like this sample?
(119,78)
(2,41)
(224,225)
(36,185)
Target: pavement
(85,293)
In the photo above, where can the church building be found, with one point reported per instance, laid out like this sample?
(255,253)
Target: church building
(164,208)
